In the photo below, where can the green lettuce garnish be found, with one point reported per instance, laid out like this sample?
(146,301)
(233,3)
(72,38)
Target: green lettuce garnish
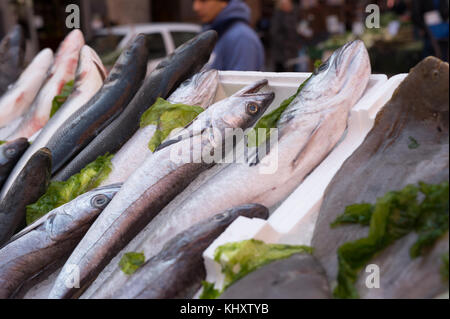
(209,292)
(131,262)
(241,258)
(271,120)
(393,216)
(60,99)
(2,142)
(167,117)
(60,193)
(413,143)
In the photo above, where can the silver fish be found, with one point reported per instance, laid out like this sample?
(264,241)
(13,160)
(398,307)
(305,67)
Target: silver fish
(177,272)
(50,239)
(62,71)
(199,90)
(19,97)
(88,81)
(308,130)
(154,184)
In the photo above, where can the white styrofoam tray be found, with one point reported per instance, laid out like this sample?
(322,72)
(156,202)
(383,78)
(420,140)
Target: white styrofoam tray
(294,220)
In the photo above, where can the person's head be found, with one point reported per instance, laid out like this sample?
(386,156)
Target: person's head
(208,10)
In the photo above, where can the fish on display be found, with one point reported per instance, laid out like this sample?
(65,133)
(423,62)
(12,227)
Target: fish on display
(178,271)
(199,90)
(30,185)
(89,120)
(187,60)
(408,144)
(50,239)
(16,101)
(297,277)
(10,153)
(308,130)
(88,80)
(158,180)
(12,54)
(62,71)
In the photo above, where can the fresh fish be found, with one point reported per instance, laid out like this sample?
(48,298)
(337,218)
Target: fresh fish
(199,90)
(62,71)
(10,153)
(177,272)
(154,184)
(298,277)
(27,189)
(12,54)
(170,73)
(89,120)
(309,128)
(386,161)
(88,80)
(19,97)
(49,239)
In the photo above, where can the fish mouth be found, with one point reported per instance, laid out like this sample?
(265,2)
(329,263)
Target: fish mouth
(346,57)
(252,88)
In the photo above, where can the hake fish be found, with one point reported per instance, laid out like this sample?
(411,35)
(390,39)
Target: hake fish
(177,272)
(62,71)
(187,60)
(199,90)
(158,180)
(119,88)
(28,188)
(308,129)
(88,80)
(16,101)
(10,153)
(48,240)
(12,54)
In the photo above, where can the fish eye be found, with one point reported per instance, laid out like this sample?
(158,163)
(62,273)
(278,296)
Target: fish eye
(220,217)
(252,108)
(10,152)
(99,201)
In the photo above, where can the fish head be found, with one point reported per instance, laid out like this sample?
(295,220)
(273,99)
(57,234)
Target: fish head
(88,64)
(13,150)
(199,90)
(71,45)
(242,109)
(196,50)
(80,212)
(347,68)
(134,54)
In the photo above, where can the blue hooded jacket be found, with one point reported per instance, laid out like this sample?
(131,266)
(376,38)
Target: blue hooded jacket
(239,47)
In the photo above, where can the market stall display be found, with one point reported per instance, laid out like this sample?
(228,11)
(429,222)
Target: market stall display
(351,148)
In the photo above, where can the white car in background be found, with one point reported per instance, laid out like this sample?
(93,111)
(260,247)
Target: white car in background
(163,39)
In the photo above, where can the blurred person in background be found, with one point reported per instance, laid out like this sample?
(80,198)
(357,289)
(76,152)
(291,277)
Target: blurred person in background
(430,17)
(284,36)
(239,47)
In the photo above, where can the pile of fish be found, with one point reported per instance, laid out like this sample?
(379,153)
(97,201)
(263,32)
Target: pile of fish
(95,179)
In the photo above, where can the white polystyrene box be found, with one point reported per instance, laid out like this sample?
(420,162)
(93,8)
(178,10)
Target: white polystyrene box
(293,222)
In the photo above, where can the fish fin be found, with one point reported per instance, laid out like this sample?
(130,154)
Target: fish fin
(187,133)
